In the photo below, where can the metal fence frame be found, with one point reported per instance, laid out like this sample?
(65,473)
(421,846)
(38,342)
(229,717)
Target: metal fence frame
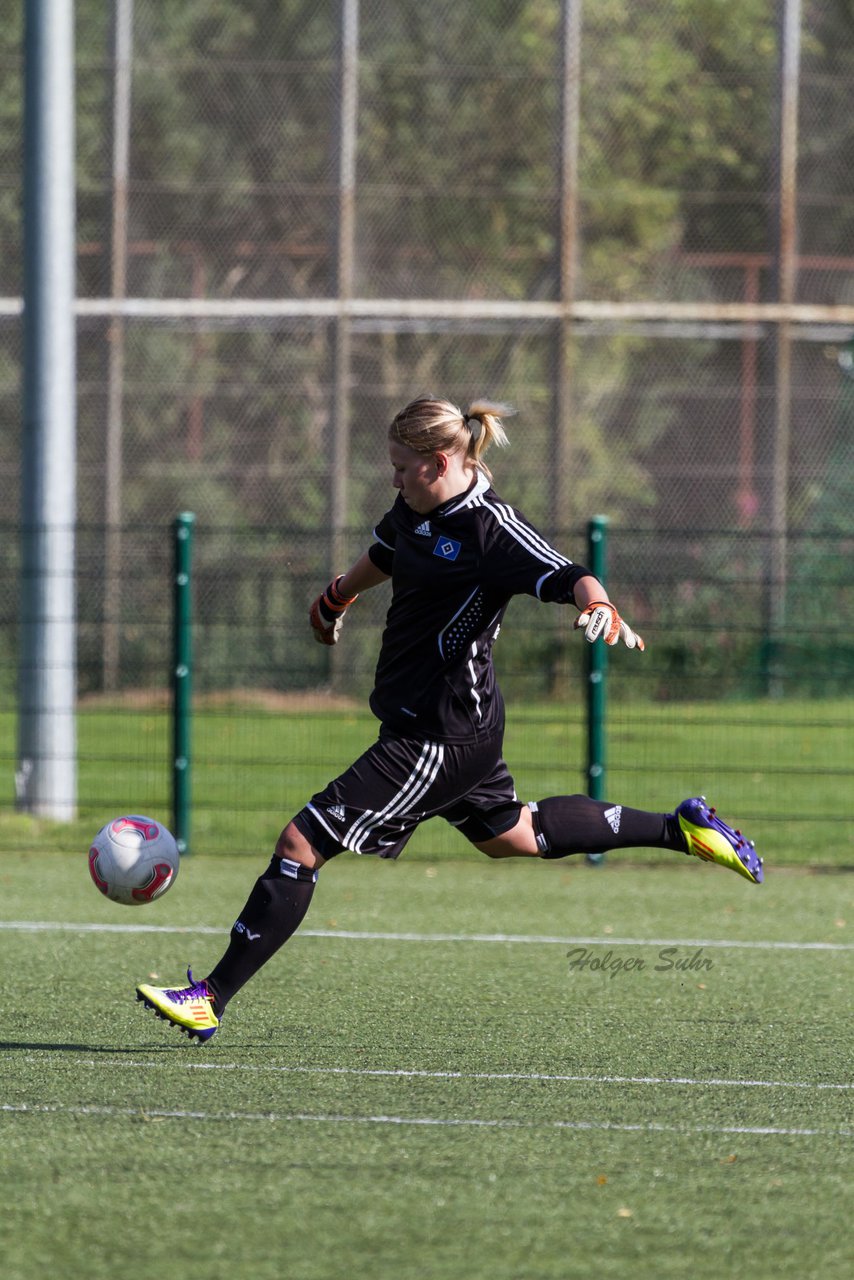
(568,314)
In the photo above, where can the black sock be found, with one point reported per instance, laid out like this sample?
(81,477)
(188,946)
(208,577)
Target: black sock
(274,910)
(576,824)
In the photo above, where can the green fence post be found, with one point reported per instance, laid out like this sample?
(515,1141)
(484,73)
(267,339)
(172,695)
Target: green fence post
(182,678)
(597,665)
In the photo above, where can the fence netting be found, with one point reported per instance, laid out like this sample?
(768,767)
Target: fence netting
(586,210)
(718,702)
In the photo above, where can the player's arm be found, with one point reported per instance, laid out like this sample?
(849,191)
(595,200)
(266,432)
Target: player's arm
(521,567)
(327,613)
(518,554)
(587,590)
(361,576)
(599,617)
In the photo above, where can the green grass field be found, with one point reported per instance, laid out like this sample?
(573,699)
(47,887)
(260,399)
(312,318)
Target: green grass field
(780,770)
(458,1070)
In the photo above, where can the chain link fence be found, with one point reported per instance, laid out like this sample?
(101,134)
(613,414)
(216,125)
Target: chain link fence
(326,209)
(715,704)
(633,222)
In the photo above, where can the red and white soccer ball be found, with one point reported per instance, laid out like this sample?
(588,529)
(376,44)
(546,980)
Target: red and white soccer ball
(134,860)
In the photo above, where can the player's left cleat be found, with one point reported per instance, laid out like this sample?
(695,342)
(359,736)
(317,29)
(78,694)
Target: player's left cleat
(190,1008)
(707,836)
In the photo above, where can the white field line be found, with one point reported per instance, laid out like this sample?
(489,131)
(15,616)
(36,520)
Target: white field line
(444,1122)
(404,1073)
(47,926)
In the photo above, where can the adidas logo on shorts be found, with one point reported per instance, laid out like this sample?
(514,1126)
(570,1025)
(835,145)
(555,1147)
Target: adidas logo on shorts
(337,812)
(612,817)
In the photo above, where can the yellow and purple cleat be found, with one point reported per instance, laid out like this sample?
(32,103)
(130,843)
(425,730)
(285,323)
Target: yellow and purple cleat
(190,1008)
(706,836)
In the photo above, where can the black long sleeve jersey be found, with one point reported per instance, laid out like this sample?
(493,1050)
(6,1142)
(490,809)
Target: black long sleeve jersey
(453,574)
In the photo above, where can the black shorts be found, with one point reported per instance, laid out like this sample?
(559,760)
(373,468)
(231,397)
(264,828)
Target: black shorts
(399,782)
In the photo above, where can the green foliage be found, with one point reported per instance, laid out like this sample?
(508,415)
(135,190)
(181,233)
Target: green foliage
(11,100)
(671,107)
(234,194)
(234,188)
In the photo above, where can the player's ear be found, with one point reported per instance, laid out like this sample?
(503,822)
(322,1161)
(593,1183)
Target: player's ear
(441,464)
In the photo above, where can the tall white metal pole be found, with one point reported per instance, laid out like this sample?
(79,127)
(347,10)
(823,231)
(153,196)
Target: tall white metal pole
(46,778)
(122,78)
(787,227)
(347,133)
(570,71)
(345,264)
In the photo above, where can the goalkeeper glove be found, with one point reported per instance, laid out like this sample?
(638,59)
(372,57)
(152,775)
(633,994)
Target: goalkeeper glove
(602,619)
(326,615)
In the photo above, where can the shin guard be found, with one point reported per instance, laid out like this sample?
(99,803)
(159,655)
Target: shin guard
(564,825)
(274,910)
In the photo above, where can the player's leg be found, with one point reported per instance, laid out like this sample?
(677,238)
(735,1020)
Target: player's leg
(564,825)
(373,807)
(274,910)
(493,819)
(520,841)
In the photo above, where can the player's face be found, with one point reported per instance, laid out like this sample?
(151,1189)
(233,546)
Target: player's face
(418,477)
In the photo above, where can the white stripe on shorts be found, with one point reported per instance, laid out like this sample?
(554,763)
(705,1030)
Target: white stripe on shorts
(403,801)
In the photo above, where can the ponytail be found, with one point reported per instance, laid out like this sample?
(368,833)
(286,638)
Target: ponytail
(430,426)
(483,423)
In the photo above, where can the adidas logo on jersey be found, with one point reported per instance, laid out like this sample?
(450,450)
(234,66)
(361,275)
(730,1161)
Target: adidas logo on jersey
(612,817)
(424,529)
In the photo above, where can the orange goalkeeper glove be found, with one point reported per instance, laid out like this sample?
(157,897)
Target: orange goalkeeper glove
(326,615)
(601,619)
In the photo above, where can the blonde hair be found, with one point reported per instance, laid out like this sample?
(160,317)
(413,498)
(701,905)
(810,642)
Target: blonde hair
(430,426)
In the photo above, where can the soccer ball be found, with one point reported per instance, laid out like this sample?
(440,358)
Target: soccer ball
(134,860)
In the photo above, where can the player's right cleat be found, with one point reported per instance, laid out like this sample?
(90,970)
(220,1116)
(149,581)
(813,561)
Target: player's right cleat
(707,836)
(190,1008)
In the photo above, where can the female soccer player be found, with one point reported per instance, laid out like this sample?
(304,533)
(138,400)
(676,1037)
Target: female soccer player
(456,555)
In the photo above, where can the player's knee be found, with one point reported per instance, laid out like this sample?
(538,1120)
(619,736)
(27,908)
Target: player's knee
(294,846)
(518,841)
